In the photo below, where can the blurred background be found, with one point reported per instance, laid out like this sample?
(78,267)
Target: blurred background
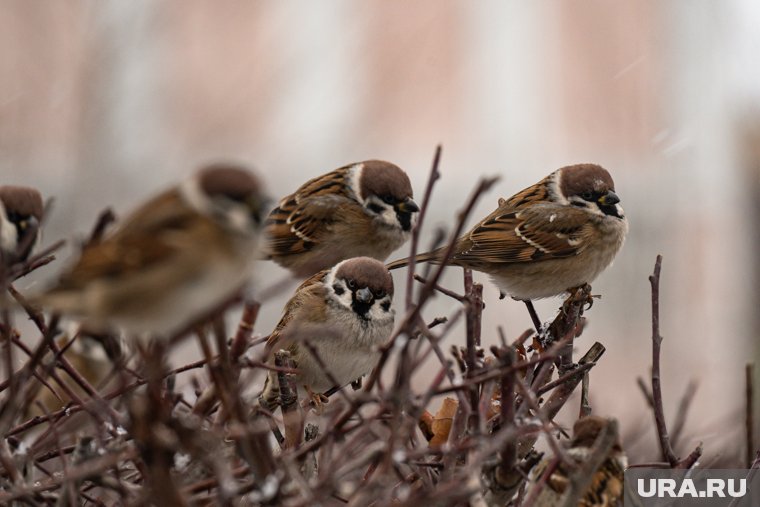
(103,103)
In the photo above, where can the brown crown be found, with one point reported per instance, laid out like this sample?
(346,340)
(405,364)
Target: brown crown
(367,272)
(22,200)
(580,178)
(231,181)
(384,179)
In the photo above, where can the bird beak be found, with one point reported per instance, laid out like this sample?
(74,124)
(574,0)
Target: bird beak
(364,295)
(610,199)
(408,206)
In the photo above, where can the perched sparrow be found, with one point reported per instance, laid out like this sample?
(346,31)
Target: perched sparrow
(363,209)
(91,358)
(606,488)
(176,256)
(555,235)
(20,216)
(345,314)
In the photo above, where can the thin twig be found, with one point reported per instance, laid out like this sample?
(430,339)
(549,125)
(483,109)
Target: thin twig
(434,176)
(659,415)
(683,410)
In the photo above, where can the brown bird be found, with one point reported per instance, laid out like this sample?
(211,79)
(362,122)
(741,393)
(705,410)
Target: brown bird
(362,209)
(345,313)
(21,211)
(606,488)
(175,257)
(553,236)
(92,358)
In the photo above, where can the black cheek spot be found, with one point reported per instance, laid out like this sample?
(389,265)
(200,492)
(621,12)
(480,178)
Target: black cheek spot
(375,208)
(338,289)
(385,305)
(405,219)
(610,210)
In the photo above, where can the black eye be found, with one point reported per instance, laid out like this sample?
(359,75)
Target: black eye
(351,284)
(587,196)
(379,293)
(388,199)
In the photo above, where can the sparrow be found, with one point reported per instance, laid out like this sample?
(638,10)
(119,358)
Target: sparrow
(92,358)
(606,488)
(345,314)
(176,256)
(558,234)
(21,211)
(362,209)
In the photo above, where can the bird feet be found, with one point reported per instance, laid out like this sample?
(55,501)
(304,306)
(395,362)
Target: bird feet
(581,294)
(317,400)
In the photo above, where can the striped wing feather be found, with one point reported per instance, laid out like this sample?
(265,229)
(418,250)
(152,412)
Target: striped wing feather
(143,240)
(310,289)
(530,234)
(302,218)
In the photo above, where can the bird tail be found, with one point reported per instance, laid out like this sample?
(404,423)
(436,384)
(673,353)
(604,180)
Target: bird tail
(433,257)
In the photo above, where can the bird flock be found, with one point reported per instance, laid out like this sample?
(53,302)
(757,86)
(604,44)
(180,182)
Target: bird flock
(188,249)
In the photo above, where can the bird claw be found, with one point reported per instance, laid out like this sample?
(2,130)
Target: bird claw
(318,400)
(590,300)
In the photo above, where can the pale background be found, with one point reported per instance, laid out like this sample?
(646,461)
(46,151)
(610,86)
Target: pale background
(105,102)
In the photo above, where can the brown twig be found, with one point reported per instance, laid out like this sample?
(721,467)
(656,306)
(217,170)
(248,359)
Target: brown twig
(442,290)
(473,318)
(659,415)
(434,176)
(683,410)
(585,408)
(291,414)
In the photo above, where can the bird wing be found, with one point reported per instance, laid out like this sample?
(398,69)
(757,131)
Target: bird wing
(538,232)
(301,219)
(310,288)
(158,232)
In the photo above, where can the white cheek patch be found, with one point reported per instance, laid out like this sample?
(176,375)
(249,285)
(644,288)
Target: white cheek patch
(8,232)
(387,216)
(345,298)
(239,219)
(378,312)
